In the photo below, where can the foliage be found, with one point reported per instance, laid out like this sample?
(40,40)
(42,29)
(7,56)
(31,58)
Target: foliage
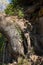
(15,2)
(20,14)
(17,7)
(14,9)
(9,9)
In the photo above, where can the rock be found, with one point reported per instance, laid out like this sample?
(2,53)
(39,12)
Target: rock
(14,63)
(34,58)
(13,33)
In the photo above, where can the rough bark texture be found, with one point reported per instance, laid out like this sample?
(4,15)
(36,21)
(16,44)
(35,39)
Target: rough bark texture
(15,37)
(21,43)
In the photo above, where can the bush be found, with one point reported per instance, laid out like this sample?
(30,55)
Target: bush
(9,9)
(14,10)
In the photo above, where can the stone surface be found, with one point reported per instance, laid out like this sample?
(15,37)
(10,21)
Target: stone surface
(12,28)
(13,34)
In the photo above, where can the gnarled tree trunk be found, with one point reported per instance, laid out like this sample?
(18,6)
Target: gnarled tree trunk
(15,45)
